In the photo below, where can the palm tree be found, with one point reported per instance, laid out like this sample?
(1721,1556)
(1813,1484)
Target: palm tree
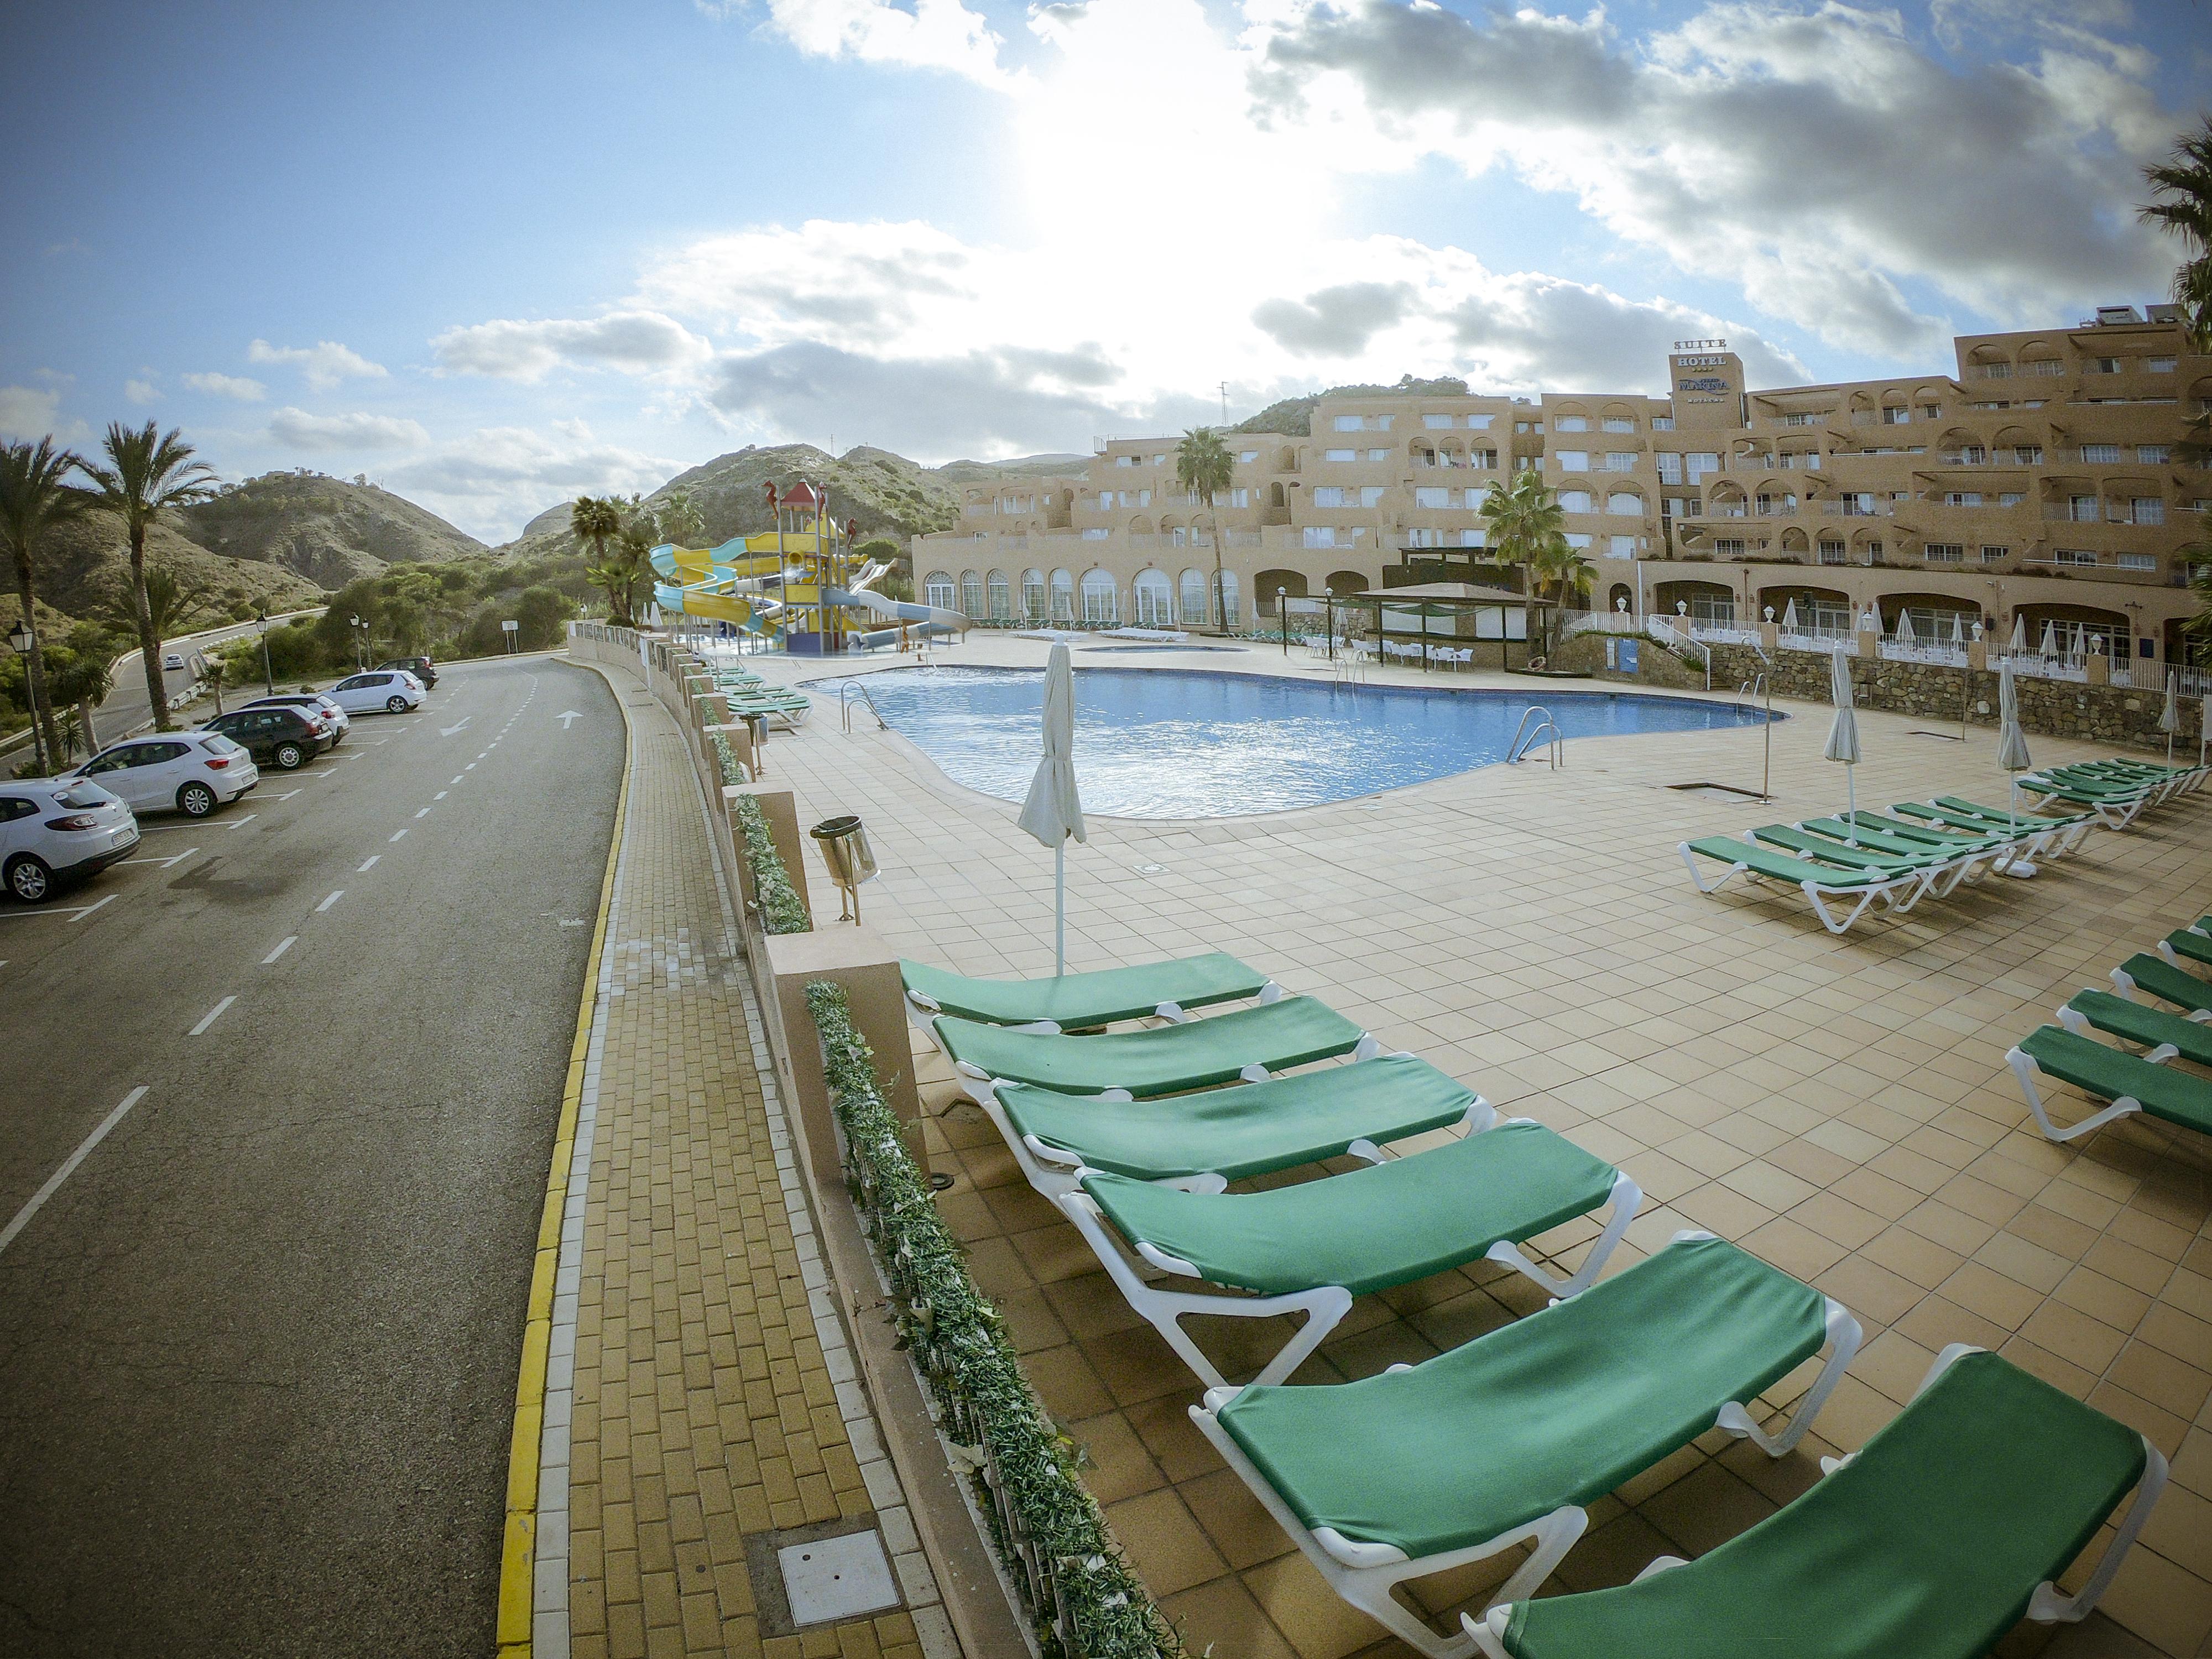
(84,684)
(1524,520)
(146,473)
(680,520)
(597,520)
(1204,467)
(33,497)
(2185,185)
(174,602)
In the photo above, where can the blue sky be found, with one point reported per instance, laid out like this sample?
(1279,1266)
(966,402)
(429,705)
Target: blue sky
(496,255)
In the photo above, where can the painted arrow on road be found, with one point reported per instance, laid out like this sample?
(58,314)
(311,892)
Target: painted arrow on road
(448,731)
(567,715)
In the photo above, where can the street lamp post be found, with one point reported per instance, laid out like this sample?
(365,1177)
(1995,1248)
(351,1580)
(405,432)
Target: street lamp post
(360,642)
(19,641)
(1283,617)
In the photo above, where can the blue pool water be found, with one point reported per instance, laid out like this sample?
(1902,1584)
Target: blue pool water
(1163,743)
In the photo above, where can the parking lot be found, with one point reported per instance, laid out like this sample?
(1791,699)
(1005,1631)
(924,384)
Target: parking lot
(272,1092)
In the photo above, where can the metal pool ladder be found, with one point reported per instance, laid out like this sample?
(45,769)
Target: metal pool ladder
(1526,737)
(1758,686)
(845,705)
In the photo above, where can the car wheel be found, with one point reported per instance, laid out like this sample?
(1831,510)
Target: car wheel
(29,879)
(195,800)
(395,705)
(291,758)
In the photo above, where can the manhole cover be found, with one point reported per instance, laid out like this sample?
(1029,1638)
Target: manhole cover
(835,1578)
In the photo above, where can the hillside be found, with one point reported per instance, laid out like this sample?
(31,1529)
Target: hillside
(84,569)
(327,530)
(1293,417)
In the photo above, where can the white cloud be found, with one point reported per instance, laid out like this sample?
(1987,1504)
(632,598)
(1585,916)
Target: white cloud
(499,478)
(634,342)
(32,413)
(936,34)
(324,364)
(302,430)
(141,391)
(228,386)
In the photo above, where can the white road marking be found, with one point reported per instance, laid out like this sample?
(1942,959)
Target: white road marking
(448,731)
(441,795)
(329,901)
(372,860)
(69,1167)
(286,795)
(282,946)
(471,766)
(213,1015)
(457,777)
(164,863)
(568,717)
(396,834)
(424,813)
(89,908)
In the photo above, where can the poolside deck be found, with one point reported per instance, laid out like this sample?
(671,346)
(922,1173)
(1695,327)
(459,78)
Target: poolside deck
(1839,1106)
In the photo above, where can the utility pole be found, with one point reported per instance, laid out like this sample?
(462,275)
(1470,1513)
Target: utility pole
(1224,403)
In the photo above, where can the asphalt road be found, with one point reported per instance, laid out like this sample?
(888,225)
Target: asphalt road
(257,1350)
(126,708)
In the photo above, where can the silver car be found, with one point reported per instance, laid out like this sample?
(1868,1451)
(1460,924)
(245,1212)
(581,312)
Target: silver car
(53,829)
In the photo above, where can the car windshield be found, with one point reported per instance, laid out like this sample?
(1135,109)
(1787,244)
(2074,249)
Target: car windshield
(80,795)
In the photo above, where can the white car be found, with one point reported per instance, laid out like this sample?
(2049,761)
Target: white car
(173,661)
(379,691)
(188,772)
(51,829)
(322,704)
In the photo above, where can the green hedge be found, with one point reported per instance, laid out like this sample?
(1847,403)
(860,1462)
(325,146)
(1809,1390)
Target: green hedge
(1085,1599)
(783,911)
(731,769)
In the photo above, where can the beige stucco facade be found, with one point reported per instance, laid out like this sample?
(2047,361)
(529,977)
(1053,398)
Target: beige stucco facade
(2037,484)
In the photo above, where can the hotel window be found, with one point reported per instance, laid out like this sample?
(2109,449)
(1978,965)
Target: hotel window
(1101,603)
(1485,458)
(1571,423)
(1993,555)
(2149,509)
(1428,496)
(1614,423)
(971,594)
(1701,464)
(1436,422)
(1858,505)
(1574,460)
(1160,460)
(2048,368)
(1240,498)
(1125,460)
(2081,509)
(1144,498)
(1963,498)
(1320,535)
(2153,454)
(1832,552)
(2138,562)
(2159,365)
(1378,454)
(1096,535)
(1728,548)
(1943,553)
(1973,455)
(937,590)
(1577,501)
(1329,495)
(1380,422)
(1370,495)
(1621,461)
(1681,506)
(1995,371)
(1002,597)
(2074,556)
(2101,454)
(1621,547)
(1897,417)
(2102,365)
(1662,423)
(1193,584)
(1033,595)
(1621,501)
(1063,596)
(1347,423)
(1471,538)
(1247,456)
(1340,454)
(1577,542)
(2027,455)
(1802,418)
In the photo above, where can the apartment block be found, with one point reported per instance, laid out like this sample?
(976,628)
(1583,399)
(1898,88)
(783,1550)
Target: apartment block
(2041,483)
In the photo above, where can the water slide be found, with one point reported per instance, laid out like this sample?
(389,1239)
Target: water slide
(733,582)
(927,616)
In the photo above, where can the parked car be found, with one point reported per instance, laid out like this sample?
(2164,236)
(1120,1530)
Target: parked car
(385,690)
(285,737)
(188,772)
(421,667)
(315,702)
(58,829)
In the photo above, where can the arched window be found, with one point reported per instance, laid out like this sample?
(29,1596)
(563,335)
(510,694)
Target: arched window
(1063,596)
(1002,598)
(1624,501)
(1033,595)
(1098,597)
(1155,599)
(1194,607)
(971,594)
(937,590)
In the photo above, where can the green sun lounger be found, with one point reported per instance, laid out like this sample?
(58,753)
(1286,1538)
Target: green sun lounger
(1820,848)
(2164,982)
(1207,1139)
(1819,883)
(2166,1035)
(2132,1085)
(1245,1044)
(1948,1525)
(1507,1440)
(1312,1246)
(2188,942)
(1903,836)
(1076,1001)
(2115,808)
(2045,836)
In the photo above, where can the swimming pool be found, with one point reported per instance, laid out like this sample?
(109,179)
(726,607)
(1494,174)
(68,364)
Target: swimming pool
(1170,742)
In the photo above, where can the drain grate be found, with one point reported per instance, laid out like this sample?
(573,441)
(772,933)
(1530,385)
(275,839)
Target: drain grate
(1717,791)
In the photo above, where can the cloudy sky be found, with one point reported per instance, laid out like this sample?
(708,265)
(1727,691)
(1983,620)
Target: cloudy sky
(495,255)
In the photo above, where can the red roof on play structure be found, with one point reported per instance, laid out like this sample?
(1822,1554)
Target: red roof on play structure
(802,497)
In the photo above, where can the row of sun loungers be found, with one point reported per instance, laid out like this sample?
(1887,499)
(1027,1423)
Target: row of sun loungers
(1933,1541)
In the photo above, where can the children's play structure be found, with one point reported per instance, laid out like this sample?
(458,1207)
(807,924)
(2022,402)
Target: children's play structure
(799,584)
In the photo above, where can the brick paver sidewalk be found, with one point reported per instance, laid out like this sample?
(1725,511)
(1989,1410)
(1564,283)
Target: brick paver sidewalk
(710,1406)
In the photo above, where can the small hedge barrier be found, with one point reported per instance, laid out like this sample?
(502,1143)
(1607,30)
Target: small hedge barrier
(781,910)
(727,761)
(1083,1598)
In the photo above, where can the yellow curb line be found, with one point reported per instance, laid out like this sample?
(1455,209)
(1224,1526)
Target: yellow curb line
(518,1568)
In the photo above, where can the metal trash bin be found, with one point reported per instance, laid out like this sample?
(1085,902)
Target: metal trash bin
(845,849)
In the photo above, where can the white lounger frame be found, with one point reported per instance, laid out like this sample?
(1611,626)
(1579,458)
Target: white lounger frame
(982,1088)
(1941,879)
(2048,1604)
(2124,984)
(923,1011)
(2045,839)
(1884,891)
(2173,957)
(2024,1068)
(1324,1305)
(1053,1171)
(2114,815)
(1365,1574)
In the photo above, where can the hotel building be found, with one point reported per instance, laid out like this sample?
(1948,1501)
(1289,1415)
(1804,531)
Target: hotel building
(2039,483)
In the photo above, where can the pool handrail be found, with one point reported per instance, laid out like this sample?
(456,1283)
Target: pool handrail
(845,705)
(1517,750)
